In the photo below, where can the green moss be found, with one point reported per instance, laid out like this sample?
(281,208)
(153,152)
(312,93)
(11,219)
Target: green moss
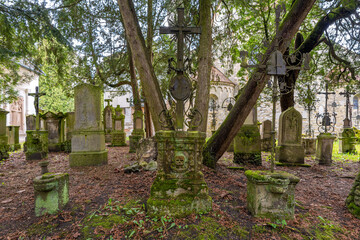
(292,164)
(41,229)
(259,175)
(94,221)
(79,159)
(236,168)
(354,209)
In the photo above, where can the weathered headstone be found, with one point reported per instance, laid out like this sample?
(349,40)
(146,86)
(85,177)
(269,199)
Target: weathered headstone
(13,135)
(30,122)
(347,141)
(118,135)
(51,191)
(271,195)
(53,126)
(266,136)
(324,148)
(88,140)
(247,143)
(138,132)
(309,145)
(108,121)
(69,127)
(290,149)
(4,146)
(353,199)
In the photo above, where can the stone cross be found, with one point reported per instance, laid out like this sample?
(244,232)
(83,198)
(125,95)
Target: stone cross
(326,119)
(180,86)
(347,94)
(108,101)
(37,96)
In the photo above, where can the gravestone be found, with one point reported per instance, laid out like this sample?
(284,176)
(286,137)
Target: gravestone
(69,127)
(53,126)
(4,146)
(347,141)
(30,122)
(266,136)
(13,135)
(88,139)
(324,148)
(108,122)
(290,149)
(118,135)
(138,131)
(247,143)
(309,145)
(51,191)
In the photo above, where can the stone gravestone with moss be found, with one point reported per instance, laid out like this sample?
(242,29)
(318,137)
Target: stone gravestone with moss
(266,136)
(271,195)
(53,126)
(138,131)
(247,143)
(13,135)
(88,139)
(108,121)
(4,146)
(324,148)
(51,191)
(290,150)
(118,135)
(179,188)
(347,141)
(30,122)
(69,127)
(353,199)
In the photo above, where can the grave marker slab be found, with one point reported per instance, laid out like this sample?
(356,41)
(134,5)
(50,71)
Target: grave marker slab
(138,132)
(118,135)
(4,146)
(13,134)
(266,136)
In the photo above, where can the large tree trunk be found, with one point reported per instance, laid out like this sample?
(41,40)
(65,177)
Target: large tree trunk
(142,61)
(220,141)
(205,64)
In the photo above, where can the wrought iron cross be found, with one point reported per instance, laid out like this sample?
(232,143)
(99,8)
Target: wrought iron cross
(347,94)
(326,121)
(180,85)
(37,96)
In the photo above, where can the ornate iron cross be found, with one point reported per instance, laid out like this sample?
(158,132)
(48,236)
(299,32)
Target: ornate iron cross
(347,94)
(108,101)
(37,96)
(326,124)
(180,85)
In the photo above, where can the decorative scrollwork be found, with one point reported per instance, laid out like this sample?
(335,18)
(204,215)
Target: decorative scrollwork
(194,118)
(326,122)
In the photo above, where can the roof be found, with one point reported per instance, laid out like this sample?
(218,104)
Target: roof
(218,77)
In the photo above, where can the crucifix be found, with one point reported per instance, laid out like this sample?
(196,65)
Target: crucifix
(347,94)
(108,101)
(326,121)
(37,96)
(180,85)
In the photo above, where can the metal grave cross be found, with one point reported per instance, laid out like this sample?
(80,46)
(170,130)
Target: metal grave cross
(180,85)
(347,94)
(326,120)
(37,96)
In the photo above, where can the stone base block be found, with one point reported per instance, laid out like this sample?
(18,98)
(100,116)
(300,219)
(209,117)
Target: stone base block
(108,138)
(293,154)
(324,148)
(248,158)
(15,147)
(134,142)
(309,145)
(118,139)
(55,147)
(51,193)
(178,197)
(80,159)
(347,141)
(36,145)
(271,195)
(266,144)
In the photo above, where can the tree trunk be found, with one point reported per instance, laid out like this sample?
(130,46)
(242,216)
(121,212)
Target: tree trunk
(205,64)
(220,141)
(142,61)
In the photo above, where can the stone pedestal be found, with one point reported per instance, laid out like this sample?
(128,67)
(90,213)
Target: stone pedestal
(324,148)
(347,141)
(36,144)
(4,146)
(13,134)
(53,126)
(88,140)
(247,145)
(290,150)
(51,193)
(309,145)
(179,188)
(353,199)
(271,195)
(138,133)
(118,135)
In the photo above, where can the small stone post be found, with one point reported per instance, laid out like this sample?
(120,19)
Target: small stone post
(4,146)
(324,148)
(138,132)
(118,134)
(88,140)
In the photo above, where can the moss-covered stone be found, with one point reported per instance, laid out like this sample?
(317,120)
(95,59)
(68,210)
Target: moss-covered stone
(347,141)
(247,145)
(118,135)
(4,146)
(51,193)
(36,145)
(13,135)
(81,159)
(353,199)
(271,195)
(134,140)
(179,188)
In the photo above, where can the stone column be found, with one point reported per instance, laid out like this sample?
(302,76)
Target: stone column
(118,135)
(13,134)
(138,131)
(88,139)
(290,150)
(324,148)
(179,188)
(347,141)
(4,146)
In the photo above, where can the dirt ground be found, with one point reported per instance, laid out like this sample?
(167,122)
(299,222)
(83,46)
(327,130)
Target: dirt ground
(320,211)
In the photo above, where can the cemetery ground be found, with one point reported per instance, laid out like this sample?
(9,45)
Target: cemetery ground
(106,203)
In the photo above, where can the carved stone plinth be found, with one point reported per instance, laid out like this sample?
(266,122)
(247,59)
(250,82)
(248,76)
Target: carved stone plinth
(324,148)
(347,141)
(179,188)
(271,195)
(36,144)
(247,145)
